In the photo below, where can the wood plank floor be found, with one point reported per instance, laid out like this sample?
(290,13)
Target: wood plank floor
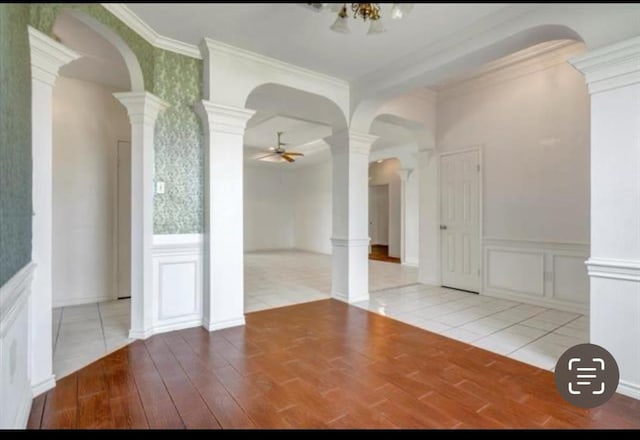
(316,365)
(380,252)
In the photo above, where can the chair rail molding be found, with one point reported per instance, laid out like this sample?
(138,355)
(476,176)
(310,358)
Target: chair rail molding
(627,270)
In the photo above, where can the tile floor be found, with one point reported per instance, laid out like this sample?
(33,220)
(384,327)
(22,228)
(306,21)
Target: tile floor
(531,334)
(281,278)
(83,334)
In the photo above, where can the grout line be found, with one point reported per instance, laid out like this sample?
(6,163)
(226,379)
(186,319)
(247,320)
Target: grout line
(546,334)
(104,339)
(55,341)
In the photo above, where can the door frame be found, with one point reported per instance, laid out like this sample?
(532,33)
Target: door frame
(479,148)
(386,185)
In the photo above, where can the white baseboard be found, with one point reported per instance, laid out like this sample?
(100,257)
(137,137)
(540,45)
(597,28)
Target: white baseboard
(22,417)
(410,263)
(629,389)
(80,301)
(430,282)
(225,323)
(43,386)
(164,328)
(140,334)
(344,298)
(538,301)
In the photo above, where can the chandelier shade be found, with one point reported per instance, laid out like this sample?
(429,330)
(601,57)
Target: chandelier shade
(371,12)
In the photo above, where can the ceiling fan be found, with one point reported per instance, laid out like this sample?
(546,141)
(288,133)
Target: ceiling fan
(279,154)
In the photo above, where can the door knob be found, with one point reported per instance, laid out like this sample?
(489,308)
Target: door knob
(443,227)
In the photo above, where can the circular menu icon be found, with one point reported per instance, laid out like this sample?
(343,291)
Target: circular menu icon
(587,375)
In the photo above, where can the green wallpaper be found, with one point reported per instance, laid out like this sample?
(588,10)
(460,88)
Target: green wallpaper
(179,155)
(15,140)
(177,79)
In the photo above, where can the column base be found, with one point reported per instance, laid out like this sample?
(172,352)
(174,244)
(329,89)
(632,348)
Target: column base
(43,385)
(140,334)
(223,323)
(350,300)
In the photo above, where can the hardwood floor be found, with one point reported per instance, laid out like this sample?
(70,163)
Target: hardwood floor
(315,365)
(380,252)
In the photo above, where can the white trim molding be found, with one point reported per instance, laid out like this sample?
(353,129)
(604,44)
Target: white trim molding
(47,56)
(131,19)
(222,118)
(222,324)
(15,359)
(627,270)
(629,389)
(350,242)
(43,386)
(610,67)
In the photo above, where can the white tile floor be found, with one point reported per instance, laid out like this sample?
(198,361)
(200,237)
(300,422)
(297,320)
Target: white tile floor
(280,278)
(83,334)
(531,334)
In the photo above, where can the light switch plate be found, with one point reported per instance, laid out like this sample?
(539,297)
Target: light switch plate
(159,187)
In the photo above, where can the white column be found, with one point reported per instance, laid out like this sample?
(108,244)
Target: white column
(350,262)
(613,76)
(47,56)
(143,109)
(429,214)
(224,250)
(404,174)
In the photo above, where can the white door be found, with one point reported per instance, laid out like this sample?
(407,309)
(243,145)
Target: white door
(123,221)
(460,220)
(379,214)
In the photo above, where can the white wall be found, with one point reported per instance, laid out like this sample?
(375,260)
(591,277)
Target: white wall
(412,220)
(532,121)
(313,220)
(386,173)
(87,124)
(268,207)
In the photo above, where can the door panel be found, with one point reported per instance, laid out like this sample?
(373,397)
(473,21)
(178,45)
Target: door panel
(460,220)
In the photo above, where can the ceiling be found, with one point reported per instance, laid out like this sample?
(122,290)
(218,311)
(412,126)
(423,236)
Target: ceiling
(300,35)
(100,61)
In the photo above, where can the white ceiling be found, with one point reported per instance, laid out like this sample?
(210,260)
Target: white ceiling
(100,62)
(299,35)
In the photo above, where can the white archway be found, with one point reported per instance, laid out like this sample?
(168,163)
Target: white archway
(47,57)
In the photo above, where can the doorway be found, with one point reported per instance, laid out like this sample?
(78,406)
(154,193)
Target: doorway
(460,219)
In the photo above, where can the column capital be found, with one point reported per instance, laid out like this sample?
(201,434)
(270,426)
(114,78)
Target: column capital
(610,67)
(424,157)
(223,118)
(142,107)
(357,142)
(47,56)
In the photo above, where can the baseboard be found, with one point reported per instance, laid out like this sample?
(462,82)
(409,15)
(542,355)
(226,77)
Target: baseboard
(410,264)
(22,417)
(43,386)
(81,301)
(140,334)
(225,323)
(164,328)
(430,282)
(344,298)
(538,301)
(629,389)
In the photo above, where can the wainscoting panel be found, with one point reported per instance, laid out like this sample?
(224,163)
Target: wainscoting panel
(547,274)
(15,387)
(178,280)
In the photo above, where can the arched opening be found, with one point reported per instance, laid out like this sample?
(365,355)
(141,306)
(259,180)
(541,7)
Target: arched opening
(288,205)
(91,227)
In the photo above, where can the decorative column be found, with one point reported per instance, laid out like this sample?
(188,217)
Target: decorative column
(350,262)
(613,76)
(429,214)
(143,109)
(47,56)
(403,174)
(223,304)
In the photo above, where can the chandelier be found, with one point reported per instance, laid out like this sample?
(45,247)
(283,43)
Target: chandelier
(365,11)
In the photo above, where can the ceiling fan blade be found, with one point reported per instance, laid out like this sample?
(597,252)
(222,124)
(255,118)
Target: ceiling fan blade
(266,155)
(276,158)
(291,153)
(287,158)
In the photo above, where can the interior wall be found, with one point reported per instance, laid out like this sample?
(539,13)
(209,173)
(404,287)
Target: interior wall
(412,224)
(386,173)
(313,209)
(535,133)
(268,207)
(88,122)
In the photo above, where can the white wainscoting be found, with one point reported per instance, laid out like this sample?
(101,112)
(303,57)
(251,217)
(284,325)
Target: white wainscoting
(177,282)
(15,386)
(547,274)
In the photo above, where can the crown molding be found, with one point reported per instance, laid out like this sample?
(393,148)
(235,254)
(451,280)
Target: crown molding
(233,51)
(610,67)
(522,63)
(47,56)
(139,26)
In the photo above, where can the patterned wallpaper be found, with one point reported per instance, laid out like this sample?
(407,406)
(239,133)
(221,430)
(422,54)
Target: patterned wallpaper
(177,79)
(15,140)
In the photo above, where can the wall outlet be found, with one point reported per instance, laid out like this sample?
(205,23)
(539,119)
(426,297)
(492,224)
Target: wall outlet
(159,187)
